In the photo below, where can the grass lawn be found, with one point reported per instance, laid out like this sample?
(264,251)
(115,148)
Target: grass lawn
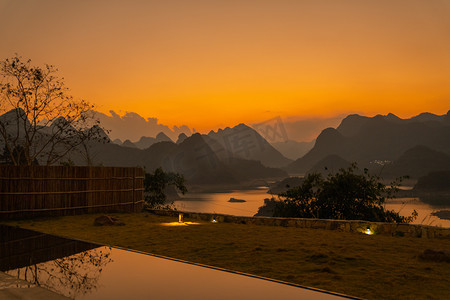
(374,267)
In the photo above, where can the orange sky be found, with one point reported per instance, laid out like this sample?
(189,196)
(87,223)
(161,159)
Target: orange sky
(210,64)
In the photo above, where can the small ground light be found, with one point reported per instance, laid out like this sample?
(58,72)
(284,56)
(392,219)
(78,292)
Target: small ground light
(214,220)
(368,231)
(180,218)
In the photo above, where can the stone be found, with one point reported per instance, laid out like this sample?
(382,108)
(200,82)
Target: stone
(236,200)
(107,221)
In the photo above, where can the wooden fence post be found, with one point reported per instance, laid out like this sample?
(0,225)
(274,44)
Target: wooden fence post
(134,188)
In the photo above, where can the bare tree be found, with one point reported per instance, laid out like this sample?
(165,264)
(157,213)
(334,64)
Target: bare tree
(39,120)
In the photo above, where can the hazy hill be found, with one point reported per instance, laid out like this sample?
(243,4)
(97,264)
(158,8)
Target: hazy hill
(243,141)
(364,139)
(110,154)
(282,186)
(416,162)
(200,163)
(181,138)
(293,149)
(129,144)
(434,182)
(117,141)
(330,164)
(193,158)
(145,141)
(434,188)
(329,142)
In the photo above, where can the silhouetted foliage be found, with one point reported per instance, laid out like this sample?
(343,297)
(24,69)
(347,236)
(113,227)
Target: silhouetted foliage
(345,195)
(156,183)
(16,157)
(38,114)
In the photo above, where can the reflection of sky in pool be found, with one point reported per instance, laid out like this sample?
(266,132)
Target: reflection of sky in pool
(87,271)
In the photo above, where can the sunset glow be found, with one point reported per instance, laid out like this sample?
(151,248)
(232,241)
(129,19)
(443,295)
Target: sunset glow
(211,64)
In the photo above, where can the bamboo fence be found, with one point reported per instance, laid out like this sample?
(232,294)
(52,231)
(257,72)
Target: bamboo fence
(60,190)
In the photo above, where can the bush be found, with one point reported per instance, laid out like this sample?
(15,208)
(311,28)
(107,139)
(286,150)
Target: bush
(345,195)
(155,186)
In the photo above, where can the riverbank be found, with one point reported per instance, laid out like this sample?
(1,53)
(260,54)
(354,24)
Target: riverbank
(373,267)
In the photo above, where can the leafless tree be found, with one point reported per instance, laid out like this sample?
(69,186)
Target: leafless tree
(39,120)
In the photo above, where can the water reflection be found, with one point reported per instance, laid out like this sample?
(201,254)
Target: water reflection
(71,268)
(89,272)
(407,205)
(218,203)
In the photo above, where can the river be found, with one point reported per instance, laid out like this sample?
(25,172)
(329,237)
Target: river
(218,203)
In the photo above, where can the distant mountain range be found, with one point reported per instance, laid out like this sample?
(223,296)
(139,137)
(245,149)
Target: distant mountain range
(380,139)
(388,145)
(193,158)
(145,141)
(240,141)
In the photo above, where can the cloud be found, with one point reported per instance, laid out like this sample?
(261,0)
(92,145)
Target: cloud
(132,126)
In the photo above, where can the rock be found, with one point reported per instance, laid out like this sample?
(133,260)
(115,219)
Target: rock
(442,214)
(236,200)
(107,221)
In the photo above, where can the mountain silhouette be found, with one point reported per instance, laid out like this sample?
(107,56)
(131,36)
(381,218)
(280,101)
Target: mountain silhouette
(282,186)
(384,138)
(438,181)
(162,137)
(330,164)
(145,141)
(416,162)
(129,144)
(193,158)
(244,142)
(11,124)
(181,138)
(434,188)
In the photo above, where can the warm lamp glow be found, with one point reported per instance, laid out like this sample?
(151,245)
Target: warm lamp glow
(179,223)
(368,231)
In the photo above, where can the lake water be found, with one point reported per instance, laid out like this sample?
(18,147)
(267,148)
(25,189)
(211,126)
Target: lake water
(218,203)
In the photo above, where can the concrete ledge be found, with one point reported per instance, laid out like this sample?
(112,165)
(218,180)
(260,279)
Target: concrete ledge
(393,229)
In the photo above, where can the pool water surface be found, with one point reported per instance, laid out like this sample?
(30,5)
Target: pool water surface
(82,270)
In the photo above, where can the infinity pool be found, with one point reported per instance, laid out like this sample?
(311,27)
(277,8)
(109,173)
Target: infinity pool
(81,270)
